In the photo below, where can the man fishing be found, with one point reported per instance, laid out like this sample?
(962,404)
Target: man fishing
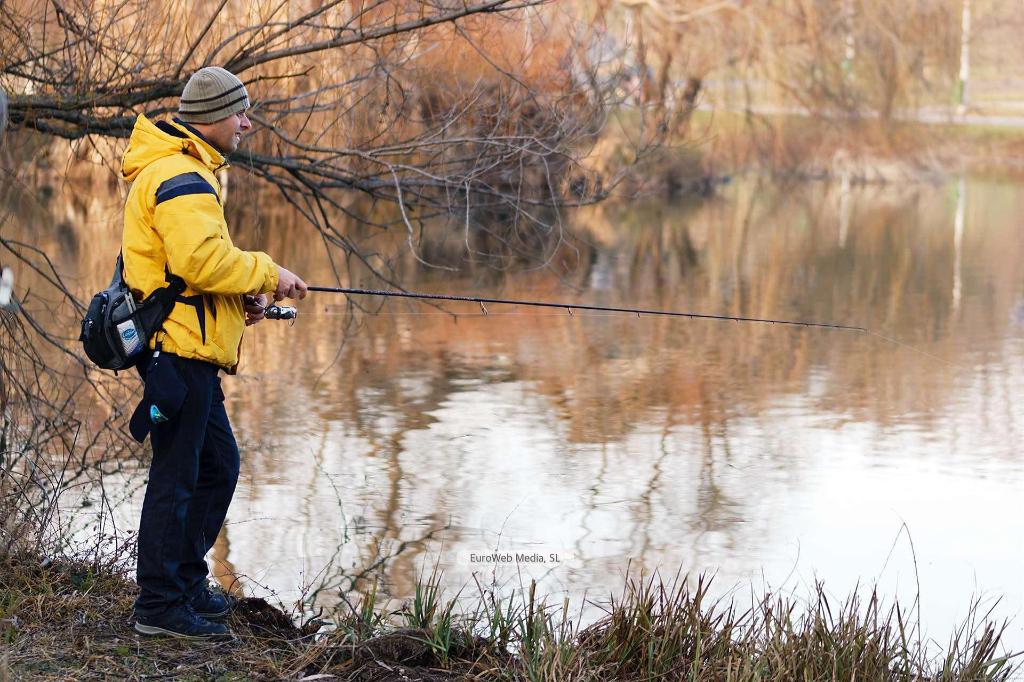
(174,225)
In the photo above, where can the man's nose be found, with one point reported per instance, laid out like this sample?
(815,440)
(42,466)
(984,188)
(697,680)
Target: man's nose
(245,123)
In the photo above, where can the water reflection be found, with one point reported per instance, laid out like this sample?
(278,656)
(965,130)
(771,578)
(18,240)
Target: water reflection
(761,452)
(754,451)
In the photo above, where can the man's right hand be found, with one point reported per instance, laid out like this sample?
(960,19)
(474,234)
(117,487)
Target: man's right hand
(289,285)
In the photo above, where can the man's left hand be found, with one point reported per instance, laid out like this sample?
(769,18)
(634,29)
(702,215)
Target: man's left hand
(255,308)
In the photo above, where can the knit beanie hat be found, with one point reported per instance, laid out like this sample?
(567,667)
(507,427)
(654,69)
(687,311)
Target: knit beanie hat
(212,94)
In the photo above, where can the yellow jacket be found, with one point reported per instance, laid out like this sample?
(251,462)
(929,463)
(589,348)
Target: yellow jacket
(174,223)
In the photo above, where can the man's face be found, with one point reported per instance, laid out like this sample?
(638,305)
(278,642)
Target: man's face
(226,133)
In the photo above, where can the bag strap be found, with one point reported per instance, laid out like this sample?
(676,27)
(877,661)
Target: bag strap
(118,277)
(175,284)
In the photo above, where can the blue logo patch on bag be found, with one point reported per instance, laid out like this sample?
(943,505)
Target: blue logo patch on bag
(155,415)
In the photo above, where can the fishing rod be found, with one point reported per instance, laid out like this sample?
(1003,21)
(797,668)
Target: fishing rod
(289,312)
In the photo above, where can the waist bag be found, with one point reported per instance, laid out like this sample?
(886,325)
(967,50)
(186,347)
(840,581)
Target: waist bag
(116,328)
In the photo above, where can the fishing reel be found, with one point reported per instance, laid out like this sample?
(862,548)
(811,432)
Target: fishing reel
(274,312)
(280,312)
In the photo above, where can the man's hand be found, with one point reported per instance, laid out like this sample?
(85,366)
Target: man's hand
(289,285)
(255,308)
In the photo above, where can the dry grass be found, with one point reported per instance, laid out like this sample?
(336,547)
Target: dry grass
(789,145)
(71,620)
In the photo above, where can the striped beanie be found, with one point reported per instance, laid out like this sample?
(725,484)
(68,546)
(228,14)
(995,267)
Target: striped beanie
(212,94)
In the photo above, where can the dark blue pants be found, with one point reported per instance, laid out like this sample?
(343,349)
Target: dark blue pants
(191,482)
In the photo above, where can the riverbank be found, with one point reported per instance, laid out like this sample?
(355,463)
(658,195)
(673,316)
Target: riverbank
(720,145)
(72,620)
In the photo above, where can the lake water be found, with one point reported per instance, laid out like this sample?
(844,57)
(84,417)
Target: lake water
(596,444)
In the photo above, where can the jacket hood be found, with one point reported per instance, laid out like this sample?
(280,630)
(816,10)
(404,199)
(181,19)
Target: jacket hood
(149,143)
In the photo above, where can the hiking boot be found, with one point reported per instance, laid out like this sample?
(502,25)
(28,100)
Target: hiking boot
(182,622)
(212,604)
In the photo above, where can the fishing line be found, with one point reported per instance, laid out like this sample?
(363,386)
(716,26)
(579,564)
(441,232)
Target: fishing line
(915,349)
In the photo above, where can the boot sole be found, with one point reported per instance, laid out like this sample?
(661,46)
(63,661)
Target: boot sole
(154,631)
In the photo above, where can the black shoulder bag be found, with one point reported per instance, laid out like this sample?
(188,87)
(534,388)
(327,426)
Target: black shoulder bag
(116,329)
